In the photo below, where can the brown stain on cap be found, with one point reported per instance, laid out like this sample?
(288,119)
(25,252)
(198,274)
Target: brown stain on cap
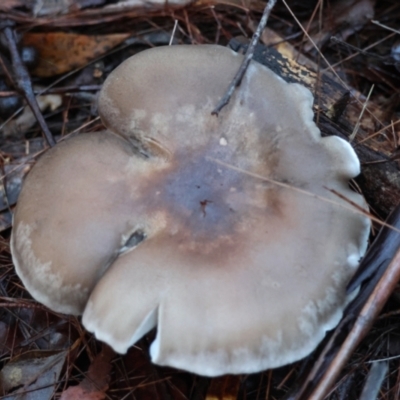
(210,209)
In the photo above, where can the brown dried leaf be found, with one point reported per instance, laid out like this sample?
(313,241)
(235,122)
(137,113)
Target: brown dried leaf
(79,393)
(96,382)
(61,52)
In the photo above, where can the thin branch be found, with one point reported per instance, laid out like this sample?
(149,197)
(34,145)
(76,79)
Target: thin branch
(55,90)
(247,58)
(357,127)
(385,26)
(23,82)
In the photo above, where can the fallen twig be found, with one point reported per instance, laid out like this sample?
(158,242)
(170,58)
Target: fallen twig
(23,81)
(246,61)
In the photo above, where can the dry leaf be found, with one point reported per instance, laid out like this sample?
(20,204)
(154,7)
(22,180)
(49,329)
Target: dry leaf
(61,52)
(17,127)
(35,374)
(96,382)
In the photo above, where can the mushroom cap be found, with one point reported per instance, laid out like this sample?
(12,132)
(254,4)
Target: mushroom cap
(179,222)
(71,216)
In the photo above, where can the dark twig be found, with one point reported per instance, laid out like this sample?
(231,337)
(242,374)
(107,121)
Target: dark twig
(247,58)
(55,90)
(23,82)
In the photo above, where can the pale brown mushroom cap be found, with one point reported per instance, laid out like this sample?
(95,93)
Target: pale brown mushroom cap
(255,277)
(238,274)
(71,216)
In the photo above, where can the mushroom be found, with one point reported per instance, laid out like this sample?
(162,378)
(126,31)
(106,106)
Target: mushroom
(222,232)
